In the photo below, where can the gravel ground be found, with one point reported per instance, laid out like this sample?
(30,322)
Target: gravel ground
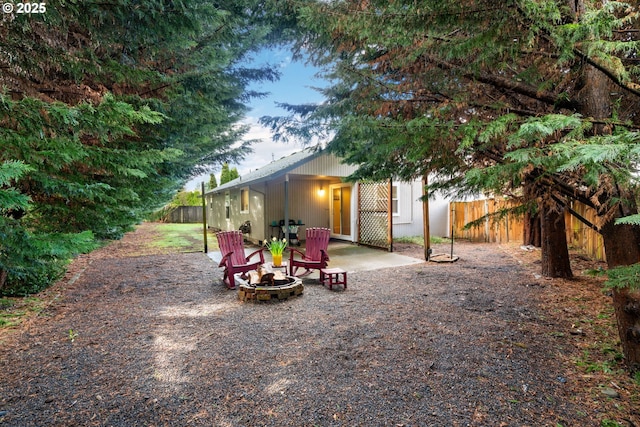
(157,340)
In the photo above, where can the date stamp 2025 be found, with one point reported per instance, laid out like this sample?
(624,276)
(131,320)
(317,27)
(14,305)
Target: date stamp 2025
(24,8)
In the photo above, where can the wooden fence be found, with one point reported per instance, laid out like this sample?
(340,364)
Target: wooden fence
(580,235)
(510,228)
(185,214)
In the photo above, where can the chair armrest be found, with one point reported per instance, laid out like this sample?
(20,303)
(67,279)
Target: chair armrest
(223,261)
(259,252)
(292,250)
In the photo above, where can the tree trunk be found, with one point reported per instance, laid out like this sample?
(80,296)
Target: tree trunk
(555,253)
(532,232)
(627,308)
(622,247)
(621,242)
(3,278)
(547,225)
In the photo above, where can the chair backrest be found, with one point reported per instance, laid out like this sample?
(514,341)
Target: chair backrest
(232,241)
(317,239)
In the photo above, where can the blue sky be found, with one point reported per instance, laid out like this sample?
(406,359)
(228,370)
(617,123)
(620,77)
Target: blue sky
(294,87)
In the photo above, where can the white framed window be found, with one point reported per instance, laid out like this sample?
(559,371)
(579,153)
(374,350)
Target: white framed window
(244,200)
(394,201)
(227,205)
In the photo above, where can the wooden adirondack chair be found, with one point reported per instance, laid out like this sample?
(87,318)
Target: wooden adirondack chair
(234,261)
(315,255)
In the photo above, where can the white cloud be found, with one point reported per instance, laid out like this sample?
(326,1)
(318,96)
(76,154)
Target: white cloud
(264,152)
(284,63)
(293,87)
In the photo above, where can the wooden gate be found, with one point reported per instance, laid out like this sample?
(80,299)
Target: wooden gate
(374,215)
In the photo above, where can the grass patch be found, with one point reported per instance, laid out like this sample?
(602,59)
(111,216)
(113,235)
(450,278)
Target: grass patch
(606,360)
(183,237)
(7,314)
(14,310)
(6,303)
(419,240)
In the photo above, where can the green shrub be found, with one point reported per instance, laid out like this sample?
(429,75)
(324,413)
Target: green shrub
(30,262)
(627,276)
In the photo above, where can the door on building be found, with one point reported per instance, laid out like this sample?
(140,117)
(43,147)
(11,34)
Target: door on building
(340,211)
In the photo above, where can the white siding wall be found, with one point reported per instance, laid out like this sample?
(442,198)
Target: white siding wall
(406,203)
(274,206)
(325,165)
(409,222)
(256,215)
(439,217)
(216,213)
(305,203)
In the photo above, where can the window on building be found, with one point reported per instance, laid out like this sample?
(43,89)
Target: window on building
(382,199)
(244,200)
(394,200)
(227,205)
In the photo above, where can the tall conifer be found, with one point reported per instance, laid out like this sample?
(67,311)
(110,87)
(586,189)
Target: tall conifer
(532,99)
(114,105)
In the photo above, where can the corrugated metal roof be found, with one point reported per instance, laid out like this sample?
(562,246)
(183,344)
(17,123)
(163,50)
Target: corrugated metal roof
(272,170)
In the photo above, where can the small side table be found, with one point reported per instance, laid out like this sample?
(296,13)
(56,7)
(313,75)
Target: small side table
(283,266)
(333,276)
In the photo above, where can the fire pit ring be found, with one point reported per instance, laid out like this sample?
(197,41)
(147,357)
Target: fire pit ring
(277,292)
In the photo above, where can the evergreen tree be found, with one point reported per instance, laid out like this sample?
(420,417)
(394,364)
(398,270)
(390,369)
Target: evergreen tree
(233,174)
(533,99)
(213,183)
(224,174)
(30,259)
(227,174)
(113,106)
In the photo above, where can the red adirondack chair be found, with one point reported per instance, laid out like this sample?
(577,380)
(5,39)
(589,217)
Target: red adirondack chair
(315,255)
(234,261)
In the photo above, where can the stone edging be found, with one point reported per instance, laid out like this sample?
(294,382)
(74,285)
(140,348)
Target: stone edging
(270,293)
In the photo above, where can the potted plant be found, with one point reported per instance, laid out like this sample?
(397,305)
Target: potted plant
(276,247)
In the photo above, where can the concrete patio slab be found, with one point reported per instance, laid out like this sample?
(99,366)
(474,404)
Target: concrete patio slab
(348,256)
(352,258)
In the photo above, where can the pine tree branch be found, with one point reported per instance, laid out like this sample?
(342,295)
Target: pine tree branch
(576,214)
(504,83)
(405,15)
(615,79)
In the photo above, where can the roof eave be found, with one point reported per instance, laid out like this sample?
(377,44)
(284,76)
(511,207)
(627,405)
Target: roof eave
(239,183)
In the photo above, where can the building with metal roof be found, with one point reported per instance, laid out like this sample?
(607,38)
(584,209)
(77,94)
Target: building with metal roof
(309,188)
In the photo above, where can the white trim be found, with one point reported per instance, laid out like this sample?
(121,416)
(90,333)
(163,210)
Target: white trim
(227,206)
(397,200)
(352,214)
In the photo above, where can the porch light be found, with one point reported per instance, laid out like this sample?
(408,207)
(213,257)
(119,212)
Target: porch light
(321,191)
